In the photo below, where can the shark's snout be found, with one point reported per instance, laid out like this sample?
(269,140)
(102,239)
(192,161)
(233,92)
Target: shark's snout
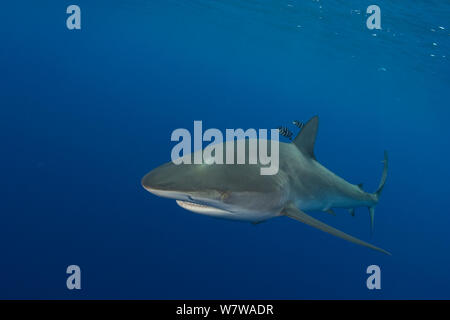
(148,182)
(168,181)
(155,184)
(158,179)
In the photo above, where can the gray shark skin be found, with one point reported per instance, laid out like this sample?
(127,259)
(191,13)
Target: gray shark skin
(240,192)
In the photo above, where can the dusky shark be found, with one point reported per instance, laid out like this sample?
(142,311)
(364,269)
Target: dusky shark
(240,192)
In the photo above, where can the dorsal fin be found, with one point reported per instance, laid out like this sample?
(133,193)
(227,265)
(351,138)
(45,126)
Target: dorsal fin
(307,137)
(360,186)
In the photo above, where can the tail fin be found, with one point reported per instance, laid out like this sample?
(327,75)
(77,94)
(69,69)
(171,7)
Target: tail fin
(380,188)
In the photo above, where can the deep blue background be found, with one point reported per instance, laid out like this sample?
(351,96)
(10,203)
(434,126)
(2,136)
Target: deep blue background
(85,114)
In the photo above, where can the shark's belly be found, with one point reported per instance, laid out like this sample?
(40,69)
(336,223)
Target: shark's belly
(322,201)
(249,216)
(314,205)
(329,202)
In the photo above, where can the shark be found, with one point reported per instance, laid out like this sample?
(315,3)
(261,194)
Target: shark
(240,192)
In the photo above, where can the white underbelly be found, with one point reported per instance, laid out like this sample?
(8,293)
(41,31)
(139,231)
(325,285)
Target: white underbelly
(251,216)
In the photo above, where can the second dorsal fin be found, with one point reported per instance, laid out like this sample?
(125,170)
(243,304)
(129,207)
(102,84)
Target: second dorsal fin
(307,137)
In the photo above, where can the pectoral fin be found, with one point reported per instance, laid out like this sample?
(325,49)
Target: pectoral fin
(295,213)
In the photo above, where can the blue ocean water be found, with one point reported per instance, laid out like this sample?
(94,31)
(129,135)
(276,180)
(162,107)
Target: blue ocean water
(86,113)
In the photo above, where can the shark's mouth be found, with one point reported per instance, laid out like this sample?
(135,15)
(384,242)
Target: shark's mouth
(191,204)
(201,208)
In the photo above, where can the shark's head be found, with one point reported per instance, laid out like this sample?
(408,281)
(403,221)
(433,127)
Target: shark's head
(223,190)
